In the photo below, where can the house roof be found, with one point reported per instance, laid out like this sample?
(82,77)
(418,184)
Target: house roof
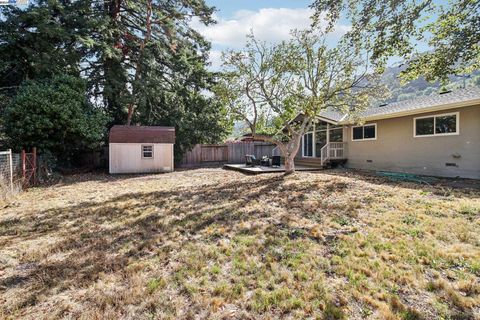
(332,115)
(142,134)
(441,101)
(247,137)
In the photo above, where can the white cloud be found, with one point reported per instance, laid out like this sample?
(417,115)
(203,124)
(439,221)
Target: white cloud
(268,24)
(215,58)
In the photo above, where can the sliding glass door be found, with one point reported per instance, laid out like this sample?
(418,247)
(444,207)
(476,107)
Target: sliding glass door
(323,133)
(308,145)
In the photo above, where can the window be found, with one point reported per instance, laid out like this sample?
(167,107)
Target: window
(147,151)
(308,144)
(366,132)
(321,133)
(320,141)
(438,125)
(369,132)
(357,133)
(446,124)
(424,126)
(322,125)
(336,135)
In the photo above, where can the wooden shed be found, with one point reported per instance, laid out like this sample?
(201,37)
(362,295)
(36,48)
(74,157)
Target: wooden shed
(135,149)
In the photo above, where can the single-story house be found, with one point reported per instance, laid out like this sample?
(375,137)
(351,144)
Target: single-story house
(136,149)
(433,135)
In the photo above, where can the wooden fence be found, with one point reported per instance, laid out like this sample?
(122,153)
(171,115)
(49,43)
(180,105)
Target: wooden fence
(217,154)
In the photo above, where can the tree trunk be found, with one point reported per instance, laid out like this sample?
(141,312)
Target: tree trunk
(130,114)
(292,150)
(288,150)
(138,69)
(289,164)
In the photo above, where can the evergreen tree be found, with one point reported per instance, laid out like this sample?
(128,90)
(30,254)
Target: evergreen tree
(142,61)
(56,117)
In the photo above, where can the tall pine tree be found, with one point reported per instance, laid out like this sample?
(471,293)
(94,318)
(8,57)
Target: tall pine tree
(142,61)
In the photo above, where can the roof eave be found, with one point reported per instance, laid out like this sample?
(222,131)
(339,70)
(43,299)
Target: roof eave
(331,121)
(469,103)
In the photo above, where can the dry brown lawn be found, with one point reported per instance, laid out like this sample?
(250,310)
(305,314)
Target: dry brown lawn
(215,244)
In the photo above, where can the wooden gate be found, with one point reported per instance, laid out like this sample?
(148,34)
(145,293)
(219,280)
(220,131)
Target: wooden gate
(29,168)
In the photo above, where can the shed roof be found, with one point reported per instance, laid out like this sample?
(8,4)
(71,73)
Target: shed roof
(142,134)
(452,99)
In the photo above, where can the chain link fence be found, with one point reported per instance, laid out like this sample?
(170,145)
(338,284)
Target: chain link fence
(10,174)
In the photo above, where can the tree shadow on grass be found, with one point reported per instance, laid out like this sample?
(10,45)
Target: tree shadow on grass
(104,177)
(468,188)
(93,238)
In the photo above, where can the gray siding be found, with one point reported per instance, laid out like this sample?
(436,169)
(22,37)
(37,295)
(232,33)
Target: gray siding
(396,149)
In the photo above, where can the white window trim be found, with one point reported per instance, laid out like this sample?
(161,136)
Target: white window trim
(369,139)
(313,144)
(338,128)
(434,116)
(153,153)
(314,138)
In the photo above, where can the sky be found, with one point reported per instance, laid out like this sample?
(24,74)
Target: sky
(270,20)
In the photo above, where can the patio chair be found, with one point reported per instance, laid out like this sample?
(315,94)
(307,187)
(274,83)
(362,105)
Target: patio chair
(251,161)
(265,161)
(275,161)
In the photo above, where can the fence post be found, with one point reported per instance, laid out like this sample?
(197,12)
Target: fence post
(34,165)
(10,160)
(24,167)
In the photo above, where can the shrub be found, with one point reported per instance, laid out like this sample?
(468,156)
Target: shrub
(55,116)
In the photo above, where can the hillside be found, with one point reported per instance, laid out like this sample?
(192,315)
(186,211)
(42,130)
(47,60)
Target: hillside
(421,87)
(399,92)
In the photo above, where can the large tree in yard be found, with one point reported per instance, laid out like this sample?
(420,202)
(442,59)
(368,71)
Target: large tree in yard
(149,49)
(142,61)
(450,31)
(280,90)
(56,116)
